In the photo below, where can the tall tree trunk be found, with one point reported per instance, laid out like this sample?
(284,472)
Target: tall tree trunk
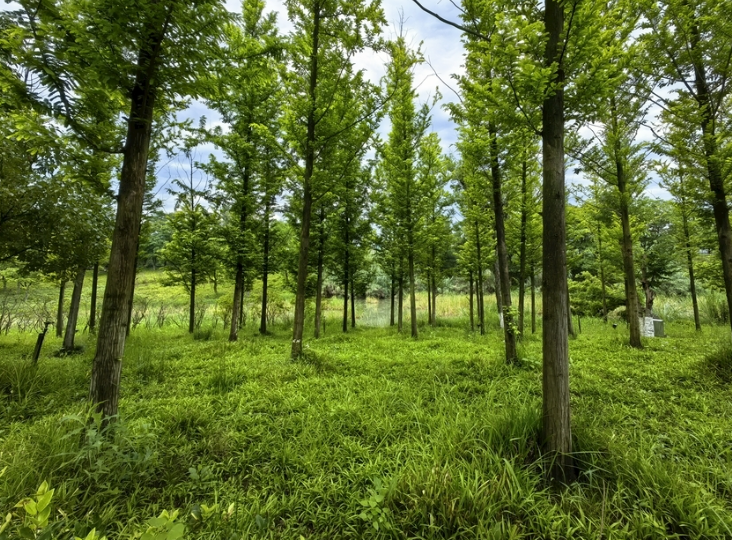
(93,308)
(522,248)
(192,304)
(650,294)
(690,266)
(714,171)
(307,196)
(570,322)
(481,311)
(400,327)
(412,291)
(499,296)
(70,334)
(503,275)
(346,275)
(353,302)
(628,264)
(107,364)
(265,269)
(60,310)
(319,286)
(429,300)
(434,300)
(557,433)
(236,304)
(391,298)
(602,273)
(472,314)
(533,299)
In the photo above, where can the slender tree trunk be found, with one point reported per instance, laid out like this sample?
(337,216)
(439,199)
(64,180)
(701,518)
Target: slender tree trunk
(650,294)
(499,297)
(353,302)
(60,310)
(602,274)
(107,364)
(412,291)
(481,311)
(93,308)
(557,433)
(391,298)
(265,270)
(690,266)
(236,304)
(533,299)
(472,315)
(504,278)
(70,334)
(299,320)
(429,300)
(628,264)
(192,305)
(714,171)
(522,248)
(434,300)
(242,320)
(346,275)
(570,322)
(319,285)
(401,302)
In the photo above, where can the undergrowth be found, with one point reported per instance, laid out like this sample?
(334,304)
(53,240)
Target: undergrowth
(371,435)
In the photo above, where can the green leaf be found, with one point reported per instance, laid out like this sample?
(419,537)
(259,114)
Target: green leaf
(177,531)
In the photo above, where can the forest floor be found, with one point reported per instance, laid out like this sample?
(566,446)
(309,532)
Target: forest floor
(372,435)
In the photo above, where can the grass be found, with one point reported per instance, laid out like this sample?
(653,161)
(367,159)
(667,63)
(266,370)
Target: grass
(373,435)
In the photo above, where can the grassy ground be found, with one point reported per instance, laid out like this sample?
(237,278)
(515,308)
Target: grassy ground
(434,438)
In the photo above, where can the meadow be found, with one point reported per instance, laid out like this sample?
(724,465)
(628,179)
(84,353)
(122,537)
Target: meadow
(371,435)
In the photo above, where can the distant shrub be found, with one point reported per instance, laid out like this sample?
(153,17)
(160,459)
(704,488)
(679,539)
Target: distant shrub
(713,307)
(203,334)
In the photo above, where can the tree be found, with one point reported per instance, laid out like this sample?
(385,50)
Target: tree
(194,251)
(327,34)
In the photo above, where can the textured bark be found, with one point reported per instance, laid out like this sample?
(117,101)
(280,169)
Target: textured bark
(557,432)
(690,267)
(472,313)
(60,310)
(481,311)
(602,274)
(265,269)
(628,263)
(236,303)
(503,283)
(131,303)
(353,303)
(714,172)
(400,326)
(533,299)
(522,249)
(107,364)
(412,293)
(391,299)
(319,286)
(93,308)
(70,333)
(192,297)
(299,320)
(344,322)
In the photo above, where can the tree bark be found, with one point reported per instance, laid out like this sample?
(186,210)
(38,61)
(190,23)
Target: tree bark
(472,315)
(602,274)
(714,172)
(236,304)
(107,364)
(412,291)
(557,432)
(690,266)
(319,286)
(299,320)
(70,334)
(522,249)
(93,308)
(503,283)
(60,310)
(429,300)
(265,269)
(391,298)
(192,305)
(131,304)
(344,322)
(434,300)
(400,327)
(533,299)
(353,302)
(650,294)
(481,311)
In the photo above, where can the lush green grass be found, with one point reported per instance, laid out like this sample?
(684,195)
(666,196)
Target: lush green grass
(434,438)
